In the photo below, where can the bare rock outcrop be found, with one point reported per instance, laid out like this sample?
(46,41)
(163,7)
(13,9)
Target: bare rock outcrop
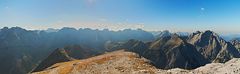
(230,67)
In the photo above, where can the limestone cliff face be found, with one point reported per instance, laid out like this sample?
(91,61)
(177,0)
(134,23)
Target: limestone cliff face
(212,47)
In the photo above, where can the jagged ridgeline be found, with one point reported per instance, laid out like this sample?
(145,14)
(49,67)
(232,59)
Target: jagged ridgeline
(172,51)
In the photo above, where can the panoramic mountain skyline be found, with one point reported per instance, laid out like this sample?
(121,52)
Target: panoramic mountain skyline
(119,37)
(175,15)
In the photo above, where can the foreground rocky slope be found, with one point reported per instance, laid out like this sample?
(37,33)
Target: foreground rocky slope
(230,67)
(118,62)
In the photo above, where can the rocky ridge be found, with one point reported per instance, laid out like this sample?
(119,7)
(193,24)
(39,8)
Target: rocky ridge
(118,62)
(213,47)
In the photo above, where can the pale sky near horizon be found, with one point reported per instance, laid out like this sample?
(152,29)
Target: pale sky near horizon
(222,16)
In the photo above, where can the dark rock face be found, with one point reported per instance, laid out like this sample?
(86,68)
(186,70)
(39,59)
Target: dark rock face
(212,47)
(179,54)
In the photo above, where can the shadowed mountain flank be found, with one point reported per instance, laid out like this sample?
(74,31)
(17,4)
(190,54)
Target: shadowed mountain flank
(166,52)
(57,56)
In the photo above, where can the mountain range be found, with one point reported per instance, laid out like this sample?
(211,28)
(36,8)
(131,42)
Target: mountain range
(24,51)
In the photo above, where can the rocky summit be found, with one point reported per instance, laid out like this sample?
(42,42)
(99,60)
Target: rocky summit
(213,47)
(118,62)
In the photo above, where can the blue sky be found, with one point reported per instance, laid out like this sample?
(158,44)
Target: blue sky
(222,16)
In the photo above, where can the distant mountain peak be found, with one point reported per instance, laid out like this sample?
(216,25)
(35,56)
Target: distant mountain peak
(164,33)
(17,29)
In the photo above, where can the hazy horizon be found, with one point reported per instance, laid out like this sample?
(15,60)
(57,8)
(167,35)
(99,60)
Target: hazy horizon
(221,16)
(158,31)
